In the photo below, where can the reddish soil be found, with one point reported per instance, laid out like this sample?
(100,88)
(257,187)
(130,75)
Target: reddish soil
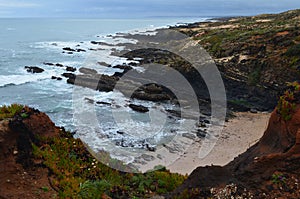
(277,152)
(20,175)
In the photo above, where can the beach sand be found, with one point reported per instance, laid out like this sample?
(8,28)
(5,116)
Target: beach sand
(237,136)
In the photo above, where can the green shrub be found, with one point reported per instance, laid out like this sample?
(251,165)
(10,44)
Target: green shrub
(10,111)
(286,104)
(79,175)
(95,189)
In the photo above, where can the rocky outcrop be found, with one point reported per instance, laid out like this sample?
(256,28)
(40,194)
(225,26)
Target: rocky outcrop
(34,69)
(278,151)
(139,108)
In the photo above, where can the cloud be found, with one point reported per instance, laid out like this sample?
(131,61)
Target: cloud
(15,4)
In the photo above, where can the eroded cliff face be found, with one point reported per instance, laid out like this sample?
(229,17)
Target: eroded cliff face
(21,175)
(271,168)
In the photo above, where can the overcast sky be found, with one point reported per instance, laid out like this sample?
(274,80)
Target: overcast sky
(140,8)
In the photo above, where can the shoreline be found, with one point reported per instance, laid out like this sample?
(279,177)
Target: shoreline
(239,134)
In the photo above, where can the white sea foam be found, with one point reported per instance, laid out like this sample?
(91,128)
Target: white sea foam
(7,80)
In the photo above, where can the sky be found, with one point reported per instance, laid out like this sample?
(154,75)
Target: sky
(141,8)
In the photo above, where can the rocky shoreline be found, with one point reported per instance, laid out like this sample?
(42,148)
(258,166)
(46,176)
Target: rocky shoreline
(257,57)
(243,69)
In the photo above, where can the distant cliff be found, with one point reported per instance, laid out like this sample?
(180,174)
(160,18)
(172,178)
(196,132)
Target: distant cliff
(257,56)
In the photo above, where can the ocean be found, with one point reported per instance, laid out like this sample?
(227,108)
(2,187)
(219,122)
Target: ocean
(33,42)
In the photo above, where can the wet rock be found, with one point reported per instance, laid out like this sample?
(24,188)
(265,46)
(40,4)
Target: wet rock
(204,120)
(91,101)
(69,75)
(101,43)
(124,66)
(69,49)
(151,148)
(103,103)
(87,71)
(153,88)
(80,50)
(174,112)
(102,63)
(189,135)
(59,65)
(120,132)
(201,134)
(133,64)
(57,78)
(150,97)
(139,108)
(33,69)
(71,69)
(48,64)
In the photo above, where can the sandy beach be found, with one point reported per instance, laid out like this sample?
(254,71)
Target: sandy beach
(237,136)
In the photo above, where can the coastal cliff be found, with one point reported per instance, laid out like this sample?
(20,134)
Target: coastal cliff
(269,169)
(258,57)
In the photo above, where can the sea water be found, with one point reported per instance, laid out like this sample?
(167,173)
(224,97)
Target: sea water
(32,42)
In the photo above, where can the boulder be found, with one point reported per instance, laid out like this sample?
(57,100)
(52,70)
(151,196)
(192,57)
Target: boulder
(139,108)
(69,49)
(87,71)
(71,69)
(34,69)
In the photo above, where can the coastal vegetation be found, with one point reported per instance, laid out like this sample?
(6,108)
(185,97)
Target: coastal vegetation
(73,171)
(78,174)
(258,58)
(10,111)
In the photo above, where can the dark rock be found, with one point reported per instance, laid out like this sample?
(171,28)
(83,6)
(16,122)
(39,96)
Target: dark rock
(57,78)
(91,101)
(104,64)
(189,135)
(118,74)
(80,50)
(69,49)
(33,69)
(201,134)
(133,64)
(104,103)
(150,97)
(153,89)
(87,71)
(48,63)
(202,124)
(69,75)
(124,66)
(151,148)
(120,132)
(71,69)
(205,121)
(101,43)
(59,65)
(139,108)
(174,112)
